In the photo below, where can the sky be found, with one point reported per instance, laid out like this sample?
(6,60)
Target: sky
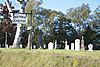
(63,5)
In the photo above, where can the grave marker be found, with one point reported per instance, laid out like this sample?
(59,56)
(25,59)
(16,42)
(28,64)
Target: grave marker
(50,46)
(90,47)
(72,46)
(77,45)
(66,46)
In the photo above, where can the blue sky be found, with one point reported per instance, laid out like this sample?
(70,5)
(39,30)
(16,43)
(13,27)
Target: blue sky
(63,5)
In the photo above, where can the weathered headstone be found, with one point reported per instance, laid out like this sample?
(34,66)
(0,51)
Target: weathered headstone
(40,47)
(55,44)
(82,43)
(44,46)
(66,46)
(72,46)
(6,46)
(77,45)
(50,46)
(34,46)
(20,45)
(90,47)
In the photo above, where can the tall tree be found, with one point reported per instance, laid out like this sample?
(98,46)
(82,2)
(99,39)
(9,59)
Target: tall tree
(95,24)
(79,15)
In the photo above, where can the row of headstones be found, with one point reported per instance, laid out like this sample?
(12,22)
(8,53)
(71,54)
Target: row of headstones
(75,46)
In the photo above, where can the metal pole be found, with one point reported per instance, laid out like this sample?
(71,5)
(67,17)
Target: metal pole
(31,30)
(29,45)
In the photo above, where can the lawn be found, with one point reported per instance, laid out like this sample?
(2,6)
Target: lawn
(48,58)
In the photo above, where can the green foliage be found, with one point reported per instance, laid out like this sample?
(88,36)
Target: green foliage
(45,20)
(24,39)
(79,14)
(87,37)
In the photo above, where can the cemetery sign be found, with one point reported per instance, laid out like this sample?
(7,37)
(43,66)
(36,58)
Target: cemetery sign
(19,18)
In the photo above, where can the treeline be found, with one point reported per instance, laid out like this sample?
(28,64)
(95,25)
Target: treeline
(50,25)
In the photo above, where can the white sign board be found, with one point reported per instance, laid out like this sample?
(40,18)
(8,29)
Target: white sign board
(19,18)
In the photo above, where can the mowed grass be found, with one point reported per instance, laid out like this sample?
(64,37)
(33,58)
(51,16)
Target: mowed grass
(48,58)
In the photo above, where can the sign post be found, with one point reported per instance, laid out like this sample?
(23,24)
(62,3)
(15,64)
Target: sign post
(29,45)
(18,18)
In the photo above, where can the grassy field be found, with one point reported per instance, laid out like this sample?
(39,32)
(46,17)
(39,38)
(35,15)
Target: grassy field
(48,58)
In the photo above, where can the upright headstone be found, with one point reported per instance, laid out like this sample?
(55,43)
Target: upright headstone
(72,46)
(55,44)
(20,45)
(50,46)
(44,46)
(6,46)
(90,47)
(66,46)
(82,43)
(34,46)
(77,45)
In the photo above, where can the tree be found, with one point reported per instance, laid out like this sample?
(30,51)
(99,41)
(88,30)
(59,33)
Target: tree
(96,18)
(79,16)
(6,27)
(87,37)
(36,15)
(95,24)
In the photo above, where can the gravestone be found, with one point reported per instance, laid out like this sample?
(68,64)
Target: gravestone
(90,47)
(44,46)
(34,46)
(66,46)
(20,45)
(82,43)
(72,46)
(40,47)
(55,44)
(77,45)
(50,46)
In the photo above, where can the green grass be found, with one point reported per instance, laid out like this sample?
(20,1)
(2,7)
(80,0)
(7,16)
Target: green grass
(48,58)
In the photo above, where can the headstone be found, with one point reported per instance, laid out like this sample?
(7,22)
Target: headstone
(72,46)
(50,46)
(6,46)
(34,46)
(20,45)
(90,47)
(44,46)
(55,44)
(40,47)
(66,46)
(77,45)
(82,43)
